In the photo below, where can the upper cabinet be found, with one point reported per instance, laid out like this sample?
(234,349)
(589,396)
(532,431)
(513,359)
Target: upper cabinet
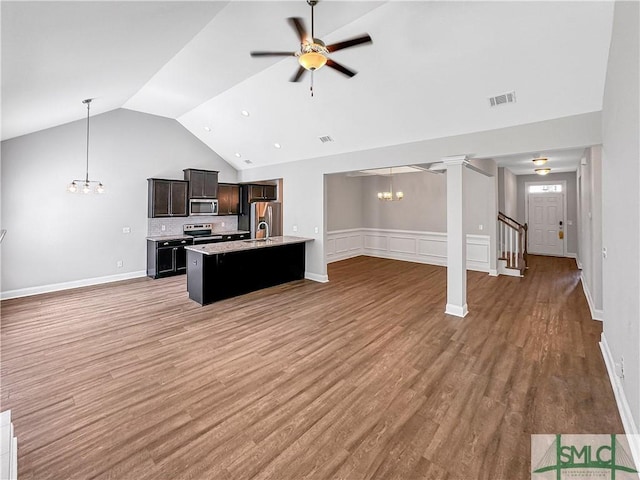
(202,183)
(228,199)
(167,198)
(260,193)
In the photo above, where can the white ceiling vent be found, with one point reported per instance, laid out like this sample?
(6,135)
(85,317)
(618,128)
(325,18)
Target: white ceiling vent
(248,162)
(509,97)
(325,139)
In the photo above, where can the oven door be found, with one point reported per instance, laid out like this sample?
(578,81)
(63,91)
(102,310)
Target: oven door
(203,207)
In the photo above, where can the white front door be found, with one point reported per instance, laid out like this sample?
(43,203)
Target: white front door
(546,218)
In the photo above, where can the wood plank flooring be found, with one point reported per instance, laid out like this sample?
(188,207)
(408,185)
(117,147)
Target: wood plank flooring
(362,377)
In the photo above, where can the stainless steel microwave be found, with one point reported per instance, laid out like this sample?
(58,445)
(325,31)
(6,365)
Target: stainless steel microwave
(203,206)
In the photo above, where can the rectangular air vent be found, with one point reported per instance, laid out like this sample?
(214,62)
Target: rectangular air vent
(509,97)
(325,139)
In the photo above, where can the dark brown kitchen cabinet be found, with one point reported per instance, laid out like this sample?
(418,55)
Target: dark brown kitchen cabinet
(261,193)
(167,198)
(167,257)
(228,199)
(202,183)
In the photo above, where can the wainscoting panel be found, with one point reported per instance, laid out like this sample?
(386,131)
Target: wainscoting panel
(412,246)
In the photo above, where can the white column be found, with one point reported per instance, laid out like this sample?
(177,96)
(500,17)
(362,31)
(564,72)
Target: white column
(456,238)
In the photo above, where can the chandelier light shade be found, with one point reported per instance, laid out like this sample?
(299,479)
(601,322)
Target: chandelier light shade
(389,195)
(87,185)
(539,161)
(543,171)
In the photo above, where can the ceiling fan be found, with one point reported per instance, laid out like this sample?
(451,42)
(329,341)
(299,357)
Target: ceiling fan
(313,53)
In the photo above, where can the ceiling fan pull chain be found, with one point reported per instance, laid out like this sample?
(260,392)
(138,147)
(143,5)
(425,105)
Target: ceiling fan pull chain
(311,88)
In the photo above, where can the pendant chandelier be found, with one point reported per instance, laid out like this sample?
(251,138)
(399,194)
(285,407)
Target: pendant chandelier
(389,195)
(86,183)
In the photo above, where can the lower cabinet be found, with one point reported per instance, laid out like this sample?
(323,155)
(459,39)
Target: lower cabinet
(166,258)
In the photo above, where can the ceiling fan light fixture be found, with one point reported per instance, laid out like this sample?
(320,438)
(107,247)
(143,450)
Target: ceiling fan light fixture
(312,60)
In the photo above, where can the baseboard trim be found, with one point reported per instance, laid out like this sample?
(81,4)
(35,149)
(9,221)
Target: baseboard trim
(56,287)
(456,310)
(493,273)
(595,314)
(316,278)
(571,255)
(628,423)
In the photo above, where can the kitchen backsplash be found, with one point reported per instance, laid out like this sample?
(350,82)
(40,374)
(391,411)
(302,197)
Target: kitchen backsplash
(173,226)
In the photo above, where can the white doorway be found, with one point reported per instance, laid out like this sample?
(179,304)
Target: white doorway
(546,219)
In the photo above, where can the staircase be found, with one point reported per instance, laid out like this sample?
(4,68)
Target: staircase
(512,246)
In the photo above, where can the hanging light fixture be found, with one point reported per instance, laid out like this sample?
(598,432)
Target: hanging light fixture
(389,195)
(86,183)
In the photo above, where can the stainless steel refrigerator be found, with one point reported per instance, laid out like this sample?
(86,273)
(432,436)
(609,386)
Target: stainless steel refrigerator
(269,212)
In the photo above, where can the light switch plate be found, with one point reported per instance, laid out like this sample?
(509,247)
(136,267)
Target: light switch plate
(126,229)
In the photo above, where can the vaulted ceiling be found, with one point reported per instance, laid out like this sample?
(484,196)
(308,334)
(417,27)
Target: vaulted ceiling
(428,73)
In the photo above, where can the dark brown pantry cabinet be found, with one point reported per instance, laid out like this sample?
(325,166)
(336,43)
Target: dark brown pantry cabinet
(202,183)
(228,199)
(167,198)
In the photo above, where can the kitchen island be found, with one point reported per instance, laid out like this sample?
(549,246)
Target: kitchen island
(221,270)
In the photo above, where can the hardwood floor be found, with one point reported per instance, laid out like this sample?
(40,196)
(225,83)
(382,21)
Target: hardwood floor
(362,377)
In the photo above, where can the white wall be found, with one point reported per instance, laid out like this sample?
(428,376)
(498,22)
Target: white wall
(344,202)
(621,206)
(508,192)
(303,181)
(571,195)
(424,207)
(56,237)
(589,182)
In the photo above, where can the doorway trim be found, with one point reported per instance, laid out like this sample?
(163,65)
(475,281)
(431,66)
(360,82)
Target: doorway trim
(564,207)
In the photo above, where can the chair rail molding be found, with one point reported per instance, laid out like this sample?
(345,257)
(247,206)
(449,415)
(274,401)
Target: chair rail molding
(407,245)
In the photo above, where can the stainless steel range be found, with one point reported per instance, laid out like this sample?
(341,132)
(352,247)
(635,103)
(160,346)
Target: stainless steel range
(201,233)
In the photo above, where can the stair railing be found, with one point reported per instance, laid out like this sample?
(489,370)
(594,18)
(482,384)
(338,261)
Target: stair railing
(512,242)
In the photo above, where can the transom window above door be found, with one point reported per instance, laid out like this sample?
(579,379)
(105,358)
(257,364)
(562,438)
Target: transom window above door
(545,188)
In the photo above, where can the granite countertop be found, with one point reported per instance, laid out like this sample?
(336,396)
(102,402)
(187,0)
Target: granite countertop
(177,236)
(241,245)
(166,238)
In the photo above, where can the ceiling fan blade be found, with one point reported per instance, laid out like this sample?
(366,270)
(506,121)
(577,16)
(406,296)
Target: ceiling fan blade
(272,54)
(298,25)
(298,74)
(349,43)
(336,66)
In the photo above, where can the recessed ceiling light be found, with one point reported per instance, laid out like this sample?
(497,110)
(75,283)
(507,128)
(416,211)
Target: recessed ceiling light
(277,145)
(237,155)
(244,113)
(208,129)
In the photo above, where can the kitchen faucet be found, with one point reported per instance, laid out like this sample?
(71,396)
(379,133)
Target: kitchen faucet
(266,226)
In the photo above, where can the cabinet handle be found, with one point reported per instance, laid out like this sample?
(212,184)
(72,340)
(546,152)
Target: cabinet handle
(183,241)
(166,243)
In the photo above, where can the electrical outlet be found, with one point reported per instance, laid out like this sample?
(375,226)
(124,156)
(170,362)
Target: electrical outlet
(126,229)
(480,227)
(316,229)
(119,264)
(222,224)
(295,228)
(163,228)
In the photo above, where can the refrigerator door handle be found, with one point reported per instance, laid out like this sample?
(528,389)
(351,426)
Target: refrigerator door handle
(270,217)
